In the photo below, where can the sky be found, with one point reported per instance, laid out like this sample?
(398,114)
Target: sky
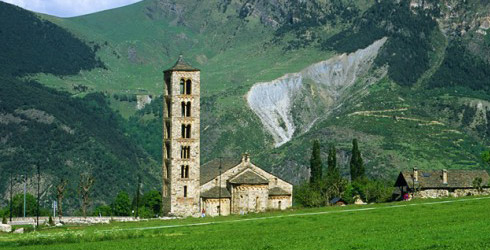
(69,8)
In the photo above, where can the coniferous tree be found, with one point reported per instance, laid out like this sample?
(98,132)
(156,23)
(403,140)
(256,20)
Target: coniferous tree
(315,163)
(357,170)
(332,169)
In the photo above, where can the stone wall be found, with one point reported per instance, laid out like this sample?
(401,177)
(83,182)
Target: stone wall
(211,206)
(71,220)
(249,198)
(279,202)
(440,193)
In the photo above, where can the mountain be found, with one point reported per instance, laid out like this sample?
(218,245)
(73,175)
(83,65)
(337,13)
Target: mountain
(409,79)
(65,136)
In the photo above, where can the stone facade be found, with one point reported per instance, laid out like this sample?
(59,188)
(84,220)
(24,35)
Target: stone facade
(250,188)
(181,139)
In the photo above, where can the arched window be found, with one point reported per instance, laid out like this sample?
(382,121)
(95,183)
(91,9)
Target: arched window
(188,109)
(169,108)
(167,149)
(188,87)
(182,86)
(184,171)
(184,106)
(185,152)
(279,205)
(167,130)
(186,131)
(185,191)
(167,86)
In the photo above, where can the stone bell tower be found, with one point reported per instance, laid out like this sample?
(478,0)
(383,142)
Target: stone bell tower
(181,152)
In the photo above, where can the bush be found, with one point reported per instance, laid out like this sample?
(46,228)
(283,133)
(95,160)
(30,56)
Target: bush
(122,204)
(309,195)
(103,211)
(369,191)
(144,212)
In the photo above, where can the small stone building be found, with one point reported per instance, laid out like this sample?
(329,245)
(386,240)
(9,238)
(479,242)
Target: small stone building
(442,183)
(241,187)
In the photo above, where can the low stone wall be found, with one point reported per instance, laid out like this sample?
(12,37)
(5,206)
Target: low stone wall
(70,220)
(440,193)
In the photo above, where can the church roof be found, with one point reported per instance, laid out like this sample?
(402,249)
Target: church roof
(214,193)
(182,65)
(210,169)
(277,191)
(248,177)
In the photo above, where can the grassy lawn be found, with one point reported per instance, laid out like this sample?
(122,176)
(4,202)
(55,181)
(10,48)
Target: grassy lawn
(429,224)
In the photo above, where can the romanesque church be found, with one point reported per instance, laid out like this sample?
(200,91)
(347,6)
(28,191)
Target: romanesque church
(219,187)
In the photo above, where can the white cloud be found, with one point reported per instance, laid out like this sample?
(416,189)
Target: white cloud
(69,8)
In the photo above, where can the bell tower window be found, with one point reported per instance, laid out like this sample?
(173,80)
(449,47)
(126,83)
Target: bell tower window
(186,131)
(182,86)
(188,87)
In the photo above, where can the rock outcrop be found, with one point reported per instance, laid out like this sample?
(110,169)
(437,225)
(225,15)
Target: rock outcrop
(294,102)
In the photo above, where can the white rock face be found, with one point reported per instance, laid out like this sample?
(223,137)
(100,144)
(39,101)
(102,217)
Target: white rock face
(294,102)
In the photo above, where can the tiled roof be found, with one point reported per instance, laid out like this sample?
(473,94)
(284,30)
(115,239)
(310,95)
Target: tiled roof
(248,177)
(210,170)
(214,193)
(182,65)
(277,191)
(433,178)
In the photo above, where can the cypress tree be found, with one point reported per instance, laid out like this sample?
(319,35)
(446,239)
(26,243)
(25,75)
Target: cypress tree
(357,170)
(315,163)
(332,169)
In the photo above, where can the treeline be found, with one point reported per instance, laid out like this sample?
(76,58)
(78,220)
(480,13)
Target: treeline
(326,185)
(147,205)
(148,132)
(408,45)
(33,45)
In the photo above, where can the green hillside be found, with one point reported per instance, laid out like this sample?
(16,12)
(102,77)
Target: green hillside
(428,106)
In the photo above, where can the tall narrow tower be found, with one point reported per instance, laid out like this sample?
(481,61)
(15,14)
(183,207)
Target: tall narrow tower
(181,187)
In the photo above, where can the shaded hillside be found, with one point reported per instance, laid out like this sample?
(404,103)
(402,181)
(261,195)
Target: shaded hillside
(32,45)
(66,137)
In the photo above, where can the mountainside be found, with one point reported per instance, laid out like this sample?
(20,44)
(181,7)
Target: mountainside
(65,136)
(409,79)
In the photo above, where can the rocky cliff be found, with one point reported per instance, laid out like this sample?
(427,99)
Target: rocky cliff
(294,102)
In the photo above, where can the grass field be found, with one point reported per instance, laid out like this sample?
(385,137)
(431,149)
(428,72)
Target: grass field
(424,224)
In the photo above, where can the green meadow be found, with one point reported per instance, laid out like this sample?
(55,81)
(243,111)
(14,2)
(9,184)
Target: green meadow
(460,223)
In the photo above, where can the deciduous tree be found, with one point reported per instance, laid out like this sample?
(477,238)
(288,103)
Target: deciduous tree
(86,183)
